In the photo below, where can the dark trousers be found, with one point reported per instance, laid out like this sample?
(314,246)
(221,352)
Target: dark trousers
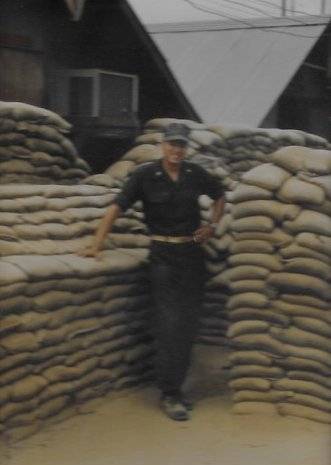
(177,278)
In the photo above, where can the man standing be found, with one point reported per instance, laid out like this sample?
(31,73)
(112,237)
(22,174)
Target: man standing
(169,189)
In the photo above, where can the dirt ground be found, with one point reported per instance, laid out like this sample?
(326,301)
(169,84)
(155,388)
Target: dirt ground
(128,429)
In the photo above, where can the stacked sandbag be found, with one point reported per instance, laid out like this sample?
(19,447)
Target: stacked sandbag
(243,148)
(34,147)
(57,219)
(72,328)
(233,149)
(279,274)
(227,153)
(214,321)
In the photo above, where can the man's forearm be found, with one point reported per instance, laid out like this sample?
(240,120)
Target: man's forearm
(217,210)
(105,226)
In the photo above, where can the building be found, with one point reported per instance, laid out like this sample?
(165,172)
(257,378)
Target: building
(40,41)
(270,73)
(256,73)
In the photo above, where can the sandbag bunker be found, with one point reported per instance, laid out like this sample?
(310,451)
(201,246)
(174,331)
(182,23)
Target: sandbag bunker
(74,328)
(279,271)
(34,147)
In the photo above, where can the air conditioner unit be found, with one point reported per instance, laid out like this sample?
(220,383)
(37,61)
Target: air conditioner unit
(96,93)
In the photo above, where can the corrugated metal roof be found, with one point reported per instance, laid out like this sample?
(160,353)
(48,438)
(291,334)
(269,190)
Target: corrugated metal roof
(231,74)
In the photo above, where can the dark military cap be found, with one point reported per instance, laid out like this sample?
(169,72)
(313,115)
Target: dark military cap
(176,132)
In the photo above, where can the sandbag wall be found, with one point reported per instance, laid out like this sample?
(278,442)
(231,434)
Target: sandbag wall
(34,147)
(279,271)
(72,328)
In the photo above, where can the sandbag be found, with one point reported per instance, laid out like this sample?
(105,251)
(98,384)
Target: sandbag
(20,342)
(300,310)
(310,376)
(14,435)
(300,283)
(314,325)
(264,342)
(22,111)
(277,236)
(270,262)
(323,181)
(253,223)
(248,285)
(121,169)
(308,300)
(264,408)
(248,299)
(52,407)
(247,327)
(304,412)
(240,272)
(294,250)
(143,153)
(27,388)
(321,244)
(308,353)
(17,304)
(256,371)
(299,337)
(303,387)
(244,192)
(263,314)
(272,396)
(270,208)
(295,190)
(248,357)
(11,409)
(255,384)
(309,266)
(266,176)
(299,363)
(310,221)
(296,159)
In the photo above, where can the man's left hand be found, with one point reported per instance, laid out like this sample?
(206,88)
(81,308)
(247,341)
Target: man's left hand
(204,233)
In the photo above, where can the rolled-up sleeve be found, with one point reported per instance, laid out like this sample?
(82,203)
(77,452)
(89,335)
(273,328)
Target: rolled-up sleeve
(131,191)
(210,185)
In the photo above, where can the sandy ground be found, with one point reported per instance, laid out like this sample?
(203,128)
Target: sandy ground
(128,429)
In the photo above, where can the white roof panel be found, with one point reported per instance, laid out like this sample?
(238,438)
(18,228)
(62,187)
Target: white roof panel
(235,75)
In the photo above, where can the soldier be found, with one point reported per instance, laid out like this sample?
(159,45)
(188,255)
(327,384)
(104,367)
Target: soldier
(169,190)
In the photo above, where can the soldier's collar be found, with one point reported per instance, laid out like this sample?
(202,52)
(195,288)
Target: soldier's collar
(159,170)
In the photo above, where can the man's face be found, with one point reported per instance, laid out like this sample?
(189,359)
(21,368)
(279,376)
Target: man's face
(174,151)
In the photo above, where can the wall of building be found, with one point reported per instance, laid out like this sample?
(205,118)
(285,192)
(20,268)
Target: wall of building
(21,52)
(105,37)
(305,104)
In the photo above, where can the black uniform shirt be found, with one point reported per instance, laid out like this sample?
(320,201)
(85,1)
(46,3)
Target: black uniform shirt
(171,207)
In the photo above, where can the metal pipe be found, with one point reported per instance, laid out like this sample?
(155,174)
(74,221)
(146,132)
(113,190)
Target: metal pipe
(283,7)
